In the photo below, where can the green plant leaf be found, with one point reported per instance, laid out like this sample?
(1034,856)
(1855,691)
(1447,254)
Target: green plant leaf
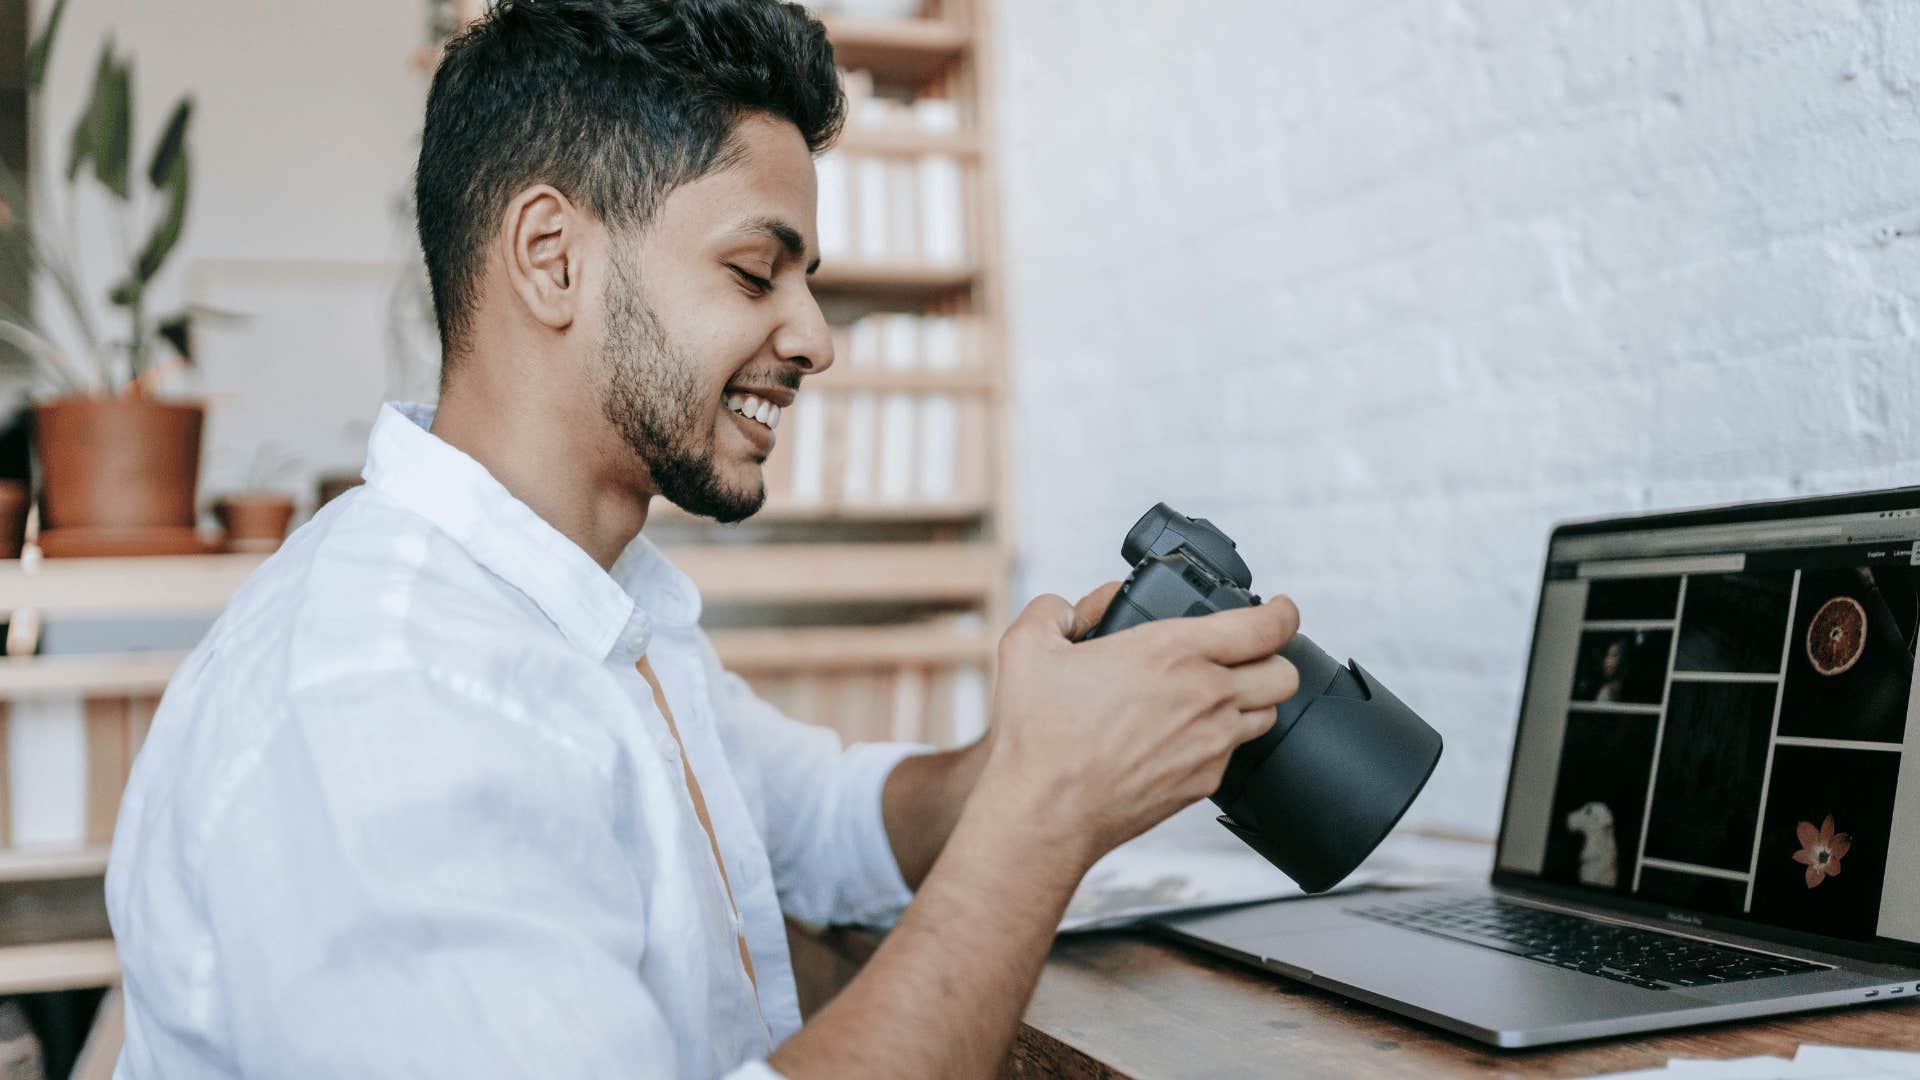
(126,293)
(42,48)
(113,148)
(166,232)
(177,330)
(85,141)
(173,143)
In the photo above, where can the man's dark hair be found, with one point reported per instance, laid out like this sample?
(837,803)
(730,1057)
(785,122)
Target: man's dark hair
(613,102)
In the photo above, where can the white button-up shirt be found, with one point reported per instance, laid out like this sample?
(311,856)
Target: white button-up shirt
(409,809)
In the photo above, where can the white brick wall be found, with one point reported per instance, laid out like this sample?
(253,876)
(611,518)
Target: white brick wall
(1387,288)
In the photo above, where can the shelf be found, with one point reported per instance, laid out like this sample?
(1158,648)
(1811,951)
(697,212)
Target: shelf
(153,585)
(126,674)
(932,511)
(204,584)
(899,142)
(909,51)
(896,280)
(52,864)
(841,573)
(843,380)
(754,650)
(824,648)
(61,965)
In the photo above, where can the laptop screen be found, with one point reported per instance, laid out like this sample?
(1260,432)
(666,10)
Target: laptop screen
(1719,717)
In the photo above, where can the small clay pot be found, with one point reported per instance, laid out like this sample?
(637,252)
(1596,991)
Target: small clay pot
(117,462)
(13,518)
(254,520)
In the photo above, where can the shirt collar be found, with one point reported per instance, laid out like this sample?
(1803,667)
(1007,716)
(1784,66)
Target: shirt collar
(600,613)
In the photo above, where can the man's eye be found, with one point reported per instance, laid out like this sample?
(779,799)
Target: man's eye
(758,285)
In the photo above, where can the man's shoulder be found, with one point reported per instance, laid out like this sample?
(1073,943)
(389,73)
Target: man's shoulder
(369,589)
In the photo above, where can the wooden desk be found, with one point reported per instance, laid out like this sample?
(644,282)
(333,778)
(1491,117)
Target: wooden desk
(1125,1005)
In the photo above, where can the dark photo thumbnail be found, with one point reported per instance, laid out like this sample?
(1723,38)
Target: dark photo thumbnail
(1622,666)
(1706,788)
(1695,892)
(1632,598)
(1850,656)
(1823,842)
(1734,622)
(1599,799)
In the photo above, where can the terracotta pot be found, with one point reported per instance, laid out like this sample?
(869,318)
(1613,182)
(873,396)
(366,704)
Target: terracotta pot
(121,463)
(254,520)
(13,518)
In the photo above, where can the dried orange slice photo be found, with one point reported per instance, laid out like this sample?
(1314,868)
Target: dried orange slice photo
(1837,635)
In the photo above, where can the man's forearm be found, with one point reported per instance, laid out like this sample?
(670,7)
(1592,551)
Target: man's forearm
(922,802)
(942,994)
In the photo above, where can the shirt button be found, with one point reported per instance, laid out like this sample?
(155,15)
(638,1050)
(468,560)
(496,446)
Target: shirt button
(667,748)
(637,633)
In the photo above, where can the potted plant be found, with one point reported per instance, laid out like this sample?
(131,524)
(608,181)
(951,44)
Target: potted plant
(118,466)
(255,518)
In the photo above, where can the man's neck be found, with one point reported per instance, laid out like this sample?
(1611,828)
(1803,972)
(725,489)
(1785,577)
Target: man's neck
(552,455)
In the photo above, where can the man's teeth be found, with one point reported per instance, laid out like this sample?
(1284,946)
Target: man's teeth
(754,408)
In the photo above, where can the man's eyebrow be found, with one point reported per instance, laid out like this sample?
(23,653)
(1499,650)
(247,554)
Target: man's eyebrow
(787,235)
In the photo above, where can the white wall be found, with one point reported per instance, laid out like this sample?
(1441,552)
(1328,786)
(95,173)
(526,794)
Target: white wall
(1386,288)
(304,136)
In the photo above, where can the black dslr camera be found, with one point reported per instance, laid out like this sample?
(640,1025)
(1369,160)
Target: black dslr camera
(1344,757)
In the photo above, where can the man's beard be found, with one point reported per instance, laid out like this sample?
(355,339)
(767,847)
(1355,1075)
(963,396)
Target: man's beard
(652,397)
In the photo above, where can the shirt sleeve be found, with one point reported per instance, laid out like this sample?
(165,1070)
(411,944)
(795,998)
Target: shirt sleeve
(417,879)
(825,836)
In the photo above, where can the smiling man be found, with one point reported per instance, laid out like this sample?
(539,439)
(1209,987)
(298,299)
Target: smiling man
(456,785)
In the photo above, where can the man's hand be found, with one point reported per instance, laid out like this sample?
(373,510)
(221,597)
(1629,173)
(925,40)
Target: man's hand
(1116,734)
(1092,742)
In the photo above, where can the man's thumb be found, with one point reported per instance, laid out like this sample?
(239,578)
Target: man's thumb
(1046,618)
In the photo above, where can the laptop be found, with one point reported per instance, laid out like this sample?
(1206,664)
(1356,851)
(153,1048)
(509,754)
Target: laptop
(1713,807)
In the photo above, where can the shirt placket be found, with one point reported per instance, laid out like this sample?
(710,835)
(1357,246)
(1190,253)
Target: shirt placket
(645,667)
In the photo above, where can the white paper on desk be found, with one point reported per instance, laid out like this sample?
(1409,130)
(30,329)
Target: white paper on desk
(1854,1061)
(1811,1062)
(1188,861)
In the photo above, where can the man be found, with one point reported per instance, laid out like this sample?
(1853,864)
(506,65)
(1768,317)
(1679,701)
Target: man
(456,786)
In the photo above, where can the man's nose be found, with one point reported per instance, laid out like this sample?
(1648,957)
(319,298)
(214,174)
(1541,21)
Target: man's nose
(805,338)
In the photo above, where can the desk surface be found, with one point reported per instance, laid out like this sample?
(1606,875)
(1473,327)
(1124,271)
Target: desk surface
(1125,1005)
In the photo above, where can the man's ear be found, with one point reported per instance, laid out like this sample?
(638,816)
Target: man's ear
(544,234)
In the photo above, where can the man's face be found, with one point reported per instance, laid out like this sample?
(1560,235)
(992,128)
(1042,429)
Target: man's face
(708,315)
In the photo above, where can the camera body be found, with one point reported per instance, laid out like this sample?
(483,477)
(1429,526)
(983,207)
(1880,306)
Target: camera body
(1319,790)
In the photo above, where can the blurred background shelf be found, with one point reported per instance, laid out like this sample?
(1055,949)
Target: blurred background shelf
(895,281)
(908,51)
(964,381)
(906,142)
(840,648)
(121,674)
(41,864)
(62,965)
(785,511)
(840,573)
(173,584)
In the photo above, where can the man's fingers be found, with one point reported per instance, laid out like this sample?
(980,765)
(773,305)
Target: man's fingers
(1236,636)
(1264,683)
(1046,617)
(1087,612)
(1254,723)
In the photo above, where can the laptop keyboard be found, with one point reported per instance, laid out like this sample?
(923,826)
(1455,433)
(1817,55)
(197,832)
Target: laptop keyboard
(1643,958)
